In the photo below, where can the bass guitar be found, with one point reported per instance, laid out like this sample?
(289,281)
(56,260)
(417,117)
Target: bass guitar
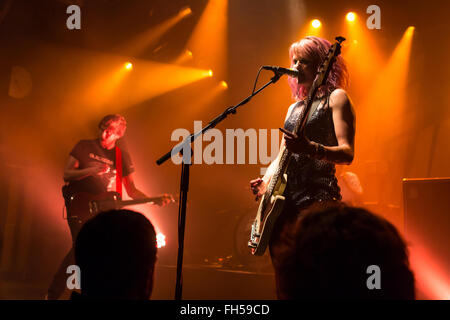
(82,206)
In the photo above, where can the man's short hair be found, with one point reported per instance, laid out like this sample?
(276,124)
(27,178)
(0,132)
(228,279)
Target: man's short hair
(114,121)
(329,250)
(116,253)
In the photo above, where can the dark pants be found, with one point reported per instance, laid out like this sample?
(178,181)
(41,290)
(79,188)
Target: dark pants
(282,234)
(58,284)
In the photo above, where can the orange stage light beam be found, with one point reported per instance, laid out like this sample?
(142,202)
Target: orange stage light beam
(206,98)
(151,79)
(431,278)
(102,90)
(109,85)
(185,56)
(209,38)
(185,12)
(361,54)
(391,81)
(382,111)
(142,41)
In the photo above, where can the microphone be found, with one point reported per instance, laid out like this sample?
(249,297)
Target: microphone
(280,71)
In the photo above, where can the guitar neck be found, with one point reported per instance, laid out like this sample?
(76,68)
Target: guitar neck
(135,201)
(300,125)
(281,168)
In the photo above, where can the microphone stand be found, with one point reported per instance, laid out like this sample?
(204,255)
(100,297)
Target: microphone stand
(184,184)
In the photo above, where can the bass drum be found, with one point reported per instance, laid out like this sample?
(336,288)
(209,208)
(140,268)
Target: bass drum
(241,250)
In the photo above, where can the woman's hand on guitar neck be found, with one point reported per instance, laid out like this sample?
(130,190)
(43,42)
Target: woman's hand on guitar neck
(258,187)
(298,144)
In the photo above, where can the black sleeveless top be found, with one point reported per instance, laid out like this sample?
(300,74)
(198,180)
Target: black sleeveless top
(310,179)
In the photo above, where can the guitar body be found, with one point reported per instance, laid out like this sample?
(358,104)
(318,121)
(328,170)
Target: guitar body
(270,207)
(82,206)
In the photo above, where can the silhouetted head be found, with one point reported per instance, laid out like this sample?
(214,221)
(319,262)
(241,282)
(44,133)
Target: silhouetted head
(329,253)
(116,253)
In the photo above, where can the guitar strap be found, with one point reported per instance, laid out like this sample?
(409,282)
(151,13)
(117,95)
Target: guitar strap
(314,107)
(119,171)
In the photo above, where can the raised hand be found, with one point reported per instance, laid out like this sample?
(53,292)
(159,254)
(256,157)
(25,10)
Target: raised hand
(298,144)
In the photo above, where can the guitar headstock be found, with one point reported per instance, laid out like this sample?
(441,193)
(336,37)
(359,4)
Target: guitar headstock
(326,65)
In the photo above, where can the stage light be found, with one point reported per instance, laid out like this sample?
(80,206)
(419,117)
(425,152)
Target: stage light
(160,240)
(316,23)
(210,73)
(410,31)
(351,16)
(224,84)
(186,55)
(311,28)
(142,41)
(128,65)
(185,12)
(210,36)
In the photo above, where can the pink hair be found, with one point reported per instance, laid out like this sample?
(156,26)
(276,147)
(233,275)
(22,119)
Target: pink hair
(316,49)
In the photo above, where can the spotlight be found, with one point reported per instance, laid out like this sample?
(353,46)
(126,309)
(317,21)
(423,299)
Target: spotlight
(224,84)
(210,73)
(185,12)
(189,53)
(128,65)
(160,240)
(316,23)
(351,16)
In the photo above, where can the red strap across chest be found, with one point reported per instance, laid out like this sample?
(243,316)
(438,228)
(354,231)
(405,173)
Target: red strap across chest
(119,171)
